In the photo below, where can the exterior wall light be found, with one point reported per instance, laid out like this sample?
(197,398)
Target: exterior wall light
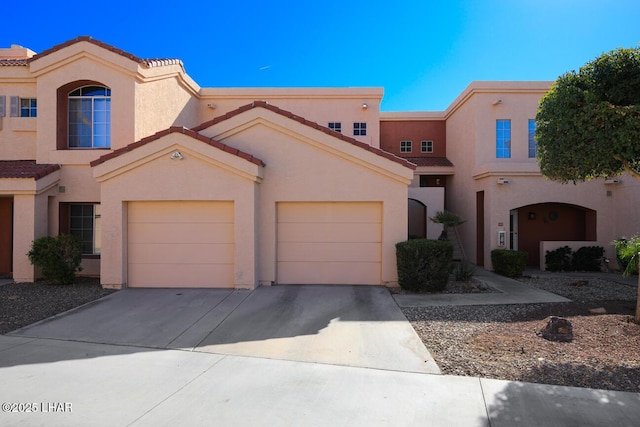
(176,155)
(365,106)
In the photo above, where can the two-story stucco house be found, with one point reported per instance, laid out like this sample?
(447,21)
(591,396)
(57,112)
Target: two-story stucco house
(170,184)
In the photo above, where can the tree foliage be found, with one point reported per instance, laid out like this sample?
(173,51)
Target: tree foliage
(588,124)
(448,220)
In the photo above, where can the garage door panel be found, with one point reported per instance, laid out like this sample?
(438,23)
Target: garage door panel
(351,273)
(329,212)
(181,253)
(323,252)
(335,232)
(329,242)
(177,275)
(180,212)
(180,244)
(176,232)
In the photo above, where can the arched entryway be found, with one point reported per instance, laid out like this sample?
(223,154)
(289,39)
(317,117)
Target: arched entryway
(532,224)
(417,219)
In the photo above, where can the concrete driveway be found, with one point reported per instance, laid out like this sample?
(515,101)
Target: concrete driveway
(359,326)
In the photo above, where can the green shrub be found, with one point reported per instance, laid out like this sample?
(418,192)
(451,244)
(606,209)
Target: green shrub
(509,263)
(627,254)
(559,259)
(588,258)
(424,265)
(59,257)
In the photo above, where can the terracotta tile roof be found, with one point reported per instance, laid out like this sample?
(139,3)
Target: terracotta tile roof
(185,131)
(149,63)
(13,62)
(430,161)
(288,114)
(25,169)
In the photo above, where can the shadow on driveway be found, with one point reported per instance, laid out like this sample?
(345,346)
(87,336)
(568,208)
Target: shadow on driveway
(344,325)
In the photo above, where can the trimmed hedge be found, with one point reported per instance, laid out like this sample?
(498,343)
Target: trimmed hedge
(587,258)
(509,263)
(424,265)
(59,257)
(559,259)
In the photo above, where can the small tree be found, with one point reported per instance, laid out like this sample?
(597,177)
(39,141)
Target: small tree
(588,124)
(59,257)
(448,220)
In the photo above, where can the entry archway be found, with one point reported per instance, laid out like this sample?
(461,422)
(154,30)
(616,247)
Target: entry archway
(417,219)
(550,222)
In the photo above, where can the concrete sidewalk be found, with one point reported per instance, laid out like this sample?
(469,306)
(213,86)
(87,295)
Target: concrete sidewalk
(510,291)
(68,383)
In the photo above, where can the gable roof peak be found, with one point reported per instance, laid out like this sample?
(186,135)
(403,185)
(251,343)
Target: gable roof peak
(147,63)
(302,120)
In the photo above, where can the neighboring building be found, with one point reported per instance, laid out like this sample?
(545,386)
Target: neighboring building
(170,184)
(496,184)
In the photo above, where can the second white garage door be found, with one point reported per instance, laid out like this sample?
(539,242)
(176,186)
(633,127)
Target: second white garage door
(329,243)
(180,244)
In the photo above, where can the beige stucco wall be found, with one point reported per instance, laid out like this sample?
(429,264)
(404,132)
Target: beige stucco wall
(321,105)
(17,134)
(303,164)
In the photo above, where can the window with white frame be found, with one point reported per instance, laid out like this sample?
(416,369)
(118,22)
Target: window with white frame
(335,126)
(359,129)
(90,117)
(533,149)
(503,139)
(23,107)
(405,146)
(85,224)
(426,146)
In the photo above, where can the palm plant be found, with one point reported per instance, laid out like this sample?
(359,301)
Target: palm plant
(448,220)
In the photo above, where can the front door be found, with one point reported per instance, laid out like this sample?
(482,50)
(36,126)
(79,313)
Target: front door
(6,235)
(513,229)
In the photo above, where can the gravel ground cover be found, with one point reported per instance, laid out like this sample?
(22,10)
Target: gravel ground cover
(22,304)
(504,342)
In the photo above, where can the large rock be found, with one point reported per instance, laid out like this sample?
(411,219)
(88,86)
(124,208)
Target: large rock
(557,329)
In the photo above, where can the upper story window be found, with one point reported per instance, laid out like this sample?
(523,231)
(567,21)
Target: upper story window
(90,117)
(503,139)
(335,126)
(28,107)
(405,146)
(426,146)
(23,107)
(359,129)
(532,139)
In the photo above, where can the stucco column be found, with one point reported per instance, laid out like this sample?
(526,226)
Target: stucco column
(30,222)
(245,232)
(114,234)
(393,231)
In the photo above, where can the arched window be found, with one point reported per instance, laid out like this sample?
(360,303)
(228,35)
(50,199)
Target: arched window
(89,122)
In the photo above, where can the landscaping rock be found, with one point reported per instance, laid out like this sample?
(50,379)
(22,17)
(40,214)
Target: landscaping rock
(557,329)
(579,283)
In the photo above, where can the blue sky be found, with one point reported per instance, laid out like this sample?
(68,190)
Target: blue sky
(423,53)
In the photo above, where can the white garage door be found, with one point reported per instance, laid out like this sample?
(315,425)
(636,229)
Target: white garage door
(180,244)
(329,243)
